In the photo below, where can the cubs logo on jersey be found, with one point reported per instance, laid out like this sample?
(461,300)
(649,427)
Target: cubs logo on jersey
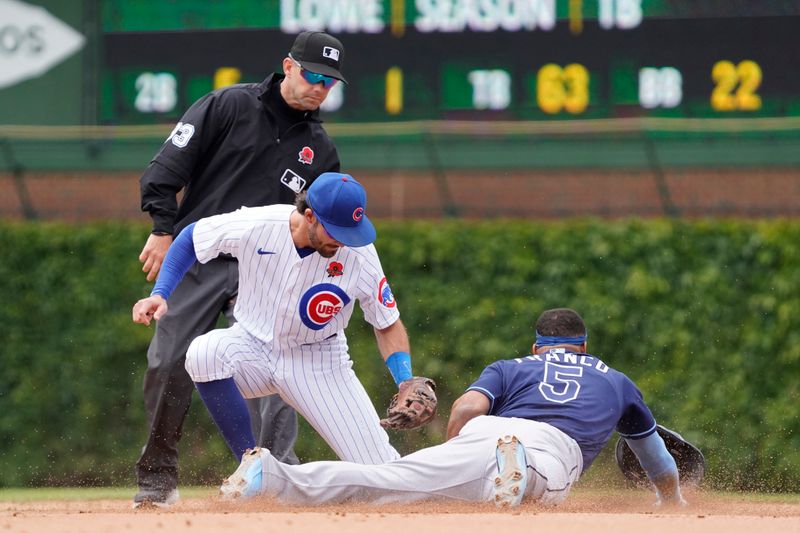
(385,296)
(320,304)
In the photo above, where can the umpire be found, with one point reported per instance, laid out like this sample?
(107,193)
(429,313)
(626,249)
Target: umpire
(244,145)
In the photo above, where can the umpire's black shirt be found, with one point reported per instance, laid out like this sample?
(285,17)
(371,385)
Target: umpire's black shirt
(238,146)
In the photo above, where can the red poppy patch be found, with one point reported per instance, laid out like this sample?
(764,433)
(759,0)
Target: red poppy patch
(306,155)
(335,269)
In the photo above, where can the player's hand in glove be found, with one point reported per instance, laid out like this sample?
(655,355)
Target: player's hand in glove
(688,458)
(414,404)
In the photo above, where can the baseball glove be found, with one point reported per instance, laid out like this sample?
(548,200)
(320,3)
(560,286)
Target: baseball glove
(413,406)
(690,460)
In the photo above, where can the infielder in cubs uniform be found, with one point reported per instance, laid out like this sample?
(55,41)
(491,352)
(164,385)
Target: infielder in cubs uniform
(301,269)
(249,144)
(528,427)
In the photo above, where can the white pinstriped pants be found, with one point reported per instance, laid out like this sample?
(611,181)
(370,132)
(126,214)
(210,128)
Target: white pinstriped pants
(462,468)
(316,379)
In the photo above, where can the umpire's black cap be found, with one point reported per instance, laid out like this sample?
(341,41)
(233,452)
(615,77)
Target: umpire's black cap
(319,52)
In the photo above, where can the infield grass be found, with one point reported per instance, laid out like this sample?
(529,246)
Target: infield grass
(89,493)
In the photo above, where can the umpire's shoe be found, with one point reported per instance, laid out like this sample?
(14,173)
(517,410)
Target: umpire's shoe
(512,472)
(155,498)
(246,481)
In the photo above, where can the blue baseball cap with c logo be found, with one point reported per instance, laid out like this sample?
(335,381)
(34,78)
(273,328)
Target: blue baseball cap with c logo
(340,203)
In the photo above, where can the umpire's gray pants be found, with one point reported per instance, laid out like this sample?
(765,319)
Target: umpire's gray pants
(194,308)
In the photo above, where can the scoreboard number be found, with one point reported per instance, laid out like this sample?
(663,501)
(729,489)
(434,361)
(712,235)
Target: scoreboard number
(225,76)
(156,92)
(562,89)
(660,87)
(394,90)
(623,14)
(491,89)
(735,86)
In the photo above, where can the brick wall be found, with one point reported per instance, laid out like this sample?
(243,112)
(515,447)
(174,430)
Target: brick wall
(80,196)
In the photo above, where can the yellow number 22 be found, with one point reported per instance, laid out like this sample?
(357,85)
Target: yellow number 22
(726,96)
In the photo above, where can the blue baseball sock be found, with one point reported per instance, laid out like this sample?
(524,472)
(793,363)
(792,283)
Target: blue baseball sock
(226,405)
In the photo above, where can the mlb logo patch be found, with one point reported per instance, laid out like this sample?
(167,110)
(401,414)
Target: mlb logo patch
(292,180)
(330,53)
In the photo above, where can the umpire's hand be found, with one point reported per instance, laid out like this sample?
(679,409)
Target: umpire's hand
(149,308)
(153,253)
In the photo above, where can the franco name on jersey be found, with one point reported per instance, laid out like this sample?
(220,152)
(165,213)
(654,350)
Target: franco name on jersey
(559,356)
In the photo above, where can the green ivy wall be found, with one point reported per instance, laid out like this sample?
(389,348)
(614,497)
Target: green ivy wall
(704,316)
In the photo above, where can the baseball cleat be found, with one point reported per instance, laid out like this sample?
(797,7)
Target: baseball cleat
(512,472)
(155,499)
(246,481)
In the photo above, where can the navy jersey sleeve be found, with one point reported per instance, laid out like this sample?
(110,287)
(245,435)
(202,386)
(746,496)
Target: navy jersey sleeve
(191,140)
(636,422)
(490,383)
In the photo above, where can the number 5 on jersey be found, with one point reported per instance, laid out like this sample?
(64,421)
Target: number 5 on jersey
(556,385)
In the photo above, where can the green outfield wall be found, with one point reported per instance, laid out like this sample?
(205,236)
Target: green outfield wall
(638,143)
(702,315)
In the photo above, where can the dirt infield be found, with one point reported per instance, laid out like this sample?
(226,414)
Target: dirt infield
(594,510)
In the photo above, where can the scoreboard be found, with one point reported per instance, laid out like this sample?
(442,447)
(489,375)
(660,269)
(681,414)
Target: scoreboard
(466,59)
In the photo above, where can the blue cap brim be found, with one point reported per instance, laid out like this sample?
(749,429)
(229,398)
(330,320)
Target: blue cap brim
(353,236)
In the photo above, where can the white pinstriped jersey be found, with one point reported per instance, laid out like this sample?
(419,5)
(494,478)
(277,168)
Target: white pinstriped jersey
(285,299)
